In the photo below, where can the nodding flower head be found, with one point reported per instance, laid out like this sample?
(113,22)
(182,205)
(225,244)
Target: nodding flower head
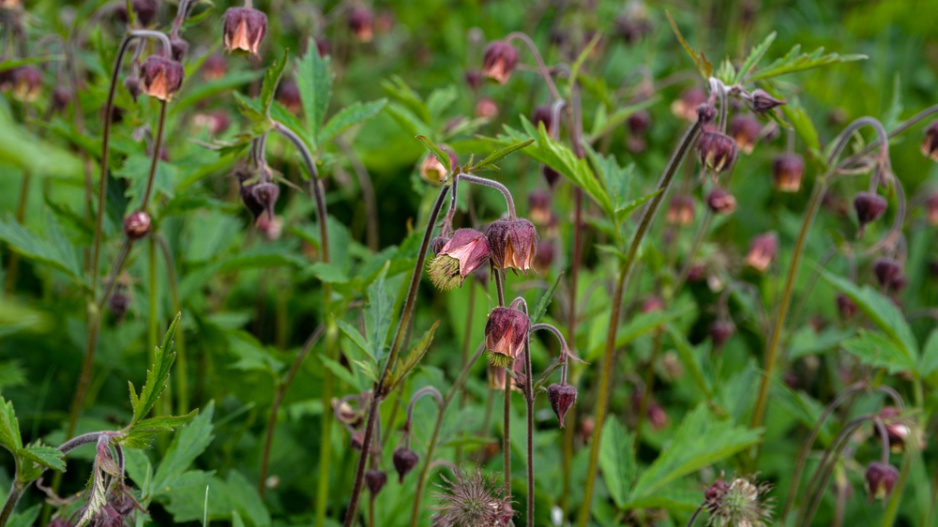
(375,480)
(499,61)
(462,254)
(404,460)
(686,106)
(161,77)
(505,333)
(681,210)
(472,498)
(361,22)
(716,150)
(513,243)
(787,171)
(880,480)
(745,129)
(27,83)
(539,207)
(214,67)
(888,272)
(846,308)
(870,207)
(144,9)
(244,29)
(740,503)
(720,332)
(720,201)
(896,431)
(561,398)
(930,143)
(179,48)
(762,251)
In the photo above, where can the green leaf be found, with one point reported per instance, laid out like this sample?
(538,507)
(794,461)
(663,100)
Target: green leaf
(795,61)
(399,374)
(349,116)
(249,108)
(10,437)
(541,308)
(754,57)
(167,422)
(440,155)
(929,361)
(617,460)
(157,375)
(355,336)
(188,444)
(271,80)
(690,359)
(25,150)
(328,273)
(882,312)
(880,352)
(136,168)
(802,124)
(315,83)
(700,60)
(397,89)
(378,315)
(30,245)
(701,440)
(27,518)
(97,498)
(604,125)
(44,455)
(342,372)
(500,154)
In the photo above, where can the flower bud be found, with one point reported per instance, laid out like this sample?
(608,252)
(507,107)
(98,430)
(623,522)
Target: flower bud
(657,416)
(543,114)
(639,122)
(539,207)
(486,108)
(144,9)
(161,77)
(931,209)
(465,252)
(214,67)
(61,98)
(288,95)
(375,481)
(474,79)
(716,150)
(761,101)
(27,83)
(686,106)
(846,308)
(787,171)
(513,243)
(869,207)
(361,22)
(266,194)
(244,29)
(720,201)
(896,431)
(561,398)
(720,332)
(132,83)
(880,480)
(437,244)
(930,143)
(179,48)
(433,171)
(505,332)
(680,211)
(404,460)
(551,176)
(137,225)
(887,271)
(745,129)
(762,251)
(499,61)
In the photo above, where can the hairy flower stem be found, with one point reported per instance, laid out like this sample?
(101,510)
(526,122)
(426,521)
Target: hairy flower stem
(431,448)
(693,518)
(467,341)
(16,492)
(157,148)
(529,403)
(485,182)
(625,268)
(506,435)
(380,387)
(332,334)
(541,66)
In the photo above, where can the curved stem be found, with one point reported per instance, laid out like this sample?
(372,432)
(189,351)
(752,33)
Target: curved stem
(625,269)
(380,387)
(278,400)
(541,67)
(510,202)
(457,386)
(693,518)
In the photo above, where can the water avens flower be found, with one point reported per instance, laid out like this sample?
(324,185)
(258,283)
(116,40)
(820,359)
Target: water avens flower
(499,61)
(244,29)
(513,243)
(161,77)
(787,171)
(462,254)
(505,332)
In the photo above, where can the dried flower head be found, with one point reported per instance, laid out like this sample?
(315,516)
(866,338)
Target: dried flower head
(244,29)
(513,243)
(499,61)
(741,503)
(787,171)
(161,77)
(472,499)
(505,332)
(465,252)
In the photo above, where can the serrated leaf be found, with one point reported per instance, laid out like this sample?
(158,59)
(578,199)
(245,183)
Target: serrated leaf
(617,460)
(795,61)
(412,359)
(879,351)
(541,308)
(10,437)
(188,443)
(350,116)
(378,315)
(271,80)
(44,455)
(157,375)
(882,312)
(624,209)
(929,361)
(355,336)
(136,168)
(342,372)
(500,154)
(97,498)
(249,108)
(700,60)
(166,422)
(397,89)
(314,80)
(700,440)
(443,157)
(30,245)
(754,57)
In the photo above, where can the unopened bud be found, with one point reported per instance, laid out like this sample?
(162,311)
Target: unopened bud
(716,150)
(930,143)
(720,332)
(787,171)
(887,271)
(137,225)
(846,308)
(880,480)
(561,397)
(869,208)
(761,101)
(375,481)
(161,77)
(404,460)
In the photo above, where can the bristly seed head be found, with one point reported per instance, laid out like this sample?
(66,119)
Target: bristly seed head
(741,503)
(472,499)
